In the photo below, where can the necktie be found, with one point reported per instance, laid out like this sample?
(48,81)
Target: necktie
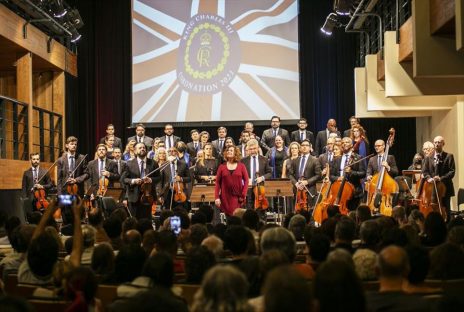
(221,144)
(379,163)
(71,165)
(342,169)
(119,166)
(254,170)
(302,165)
(301,136)
(275,133)
(34,174)
(142,169)
(169,142)
(140,139)
(330,157)
(195,145)
(102,167)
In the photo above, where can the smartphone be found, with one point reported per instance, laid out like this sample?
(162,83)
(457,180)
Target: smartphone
(175,224)
(65,200)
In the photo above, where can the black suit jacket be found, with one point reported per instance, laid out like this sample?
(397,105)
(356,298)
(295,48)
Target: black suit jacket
(191,149)
(268,137)
(311,172)
(28,182)
(216,151)
(146,139)
(321,141)
(263,163)
(117,142)
(132,171)
(373,166)
(63,172)
(358,171)
(295,137)
(175,139)
(92,173)
(445,169)
(181,170)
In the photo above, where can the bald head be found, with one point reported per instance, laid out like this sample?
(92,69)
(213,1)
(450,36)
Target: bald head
(332,125)
(132,237)
(393,262)
(438,143)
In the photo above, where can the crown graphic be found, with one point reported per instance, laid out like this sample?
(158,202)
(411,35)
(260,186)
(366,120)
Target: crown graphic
(205,39)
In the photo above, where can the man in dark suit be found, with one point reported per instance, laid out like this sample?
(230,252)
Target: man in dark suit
(327,157)
(141,137)
(269,135)
(110,132)
(376,163)
(323,135)
(251,130)
(353,122)
(34,178)
(354,174)
(133,178)
(438,167)
(302,134)
(218,145)
(169,138)
(194,146)
(176,172)
(101,167)
(305,171)
(120,164)
(257,167)
(71,168)
(244,138)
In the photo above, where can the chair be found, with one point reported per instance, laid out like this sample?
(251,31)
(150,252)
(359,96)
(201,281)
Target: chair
(49,305)
(107,293)
(188,292)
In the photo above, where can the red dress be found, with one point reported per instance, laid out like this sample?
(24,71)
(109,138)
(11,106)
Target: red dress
(231,187)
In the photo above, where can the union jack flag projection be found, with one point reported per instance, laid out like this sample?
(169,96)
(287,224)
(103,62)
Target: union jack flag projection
(214,60)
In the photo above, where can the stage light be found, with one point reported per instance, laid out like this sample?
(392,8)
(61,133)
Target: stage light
(75,18)
(343,7)
(75,34)
(330,23)
(58,8)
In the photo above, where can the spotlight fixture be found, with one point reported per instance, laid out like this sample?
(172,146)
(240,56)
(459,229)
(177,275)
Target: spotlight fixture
(343,7)
(75,18)
(330,23)
(58,8)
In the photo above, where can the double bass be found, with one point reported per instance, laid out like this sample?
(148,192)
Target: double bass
(382,186)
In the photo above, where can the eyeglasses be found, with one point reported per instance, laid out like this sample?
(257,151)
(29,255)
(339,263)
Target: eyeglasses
(305,145)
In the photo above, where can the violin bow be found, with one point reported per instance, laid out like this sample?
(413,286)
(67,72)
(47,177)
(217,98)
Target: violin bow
(78,165)
(48,170)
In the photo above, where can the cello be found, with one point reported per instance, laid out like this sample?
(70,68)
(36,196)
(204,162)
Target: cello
(342,190)
(259,191)
(323,200)
(382,185)
(431,198)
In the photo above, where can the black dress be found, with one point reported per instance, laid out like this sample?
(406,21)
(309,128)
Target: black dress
(208,169)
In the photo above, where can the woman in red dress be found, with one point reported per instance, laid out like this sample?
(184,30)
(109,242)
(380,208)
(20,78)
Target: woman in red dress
(231,182)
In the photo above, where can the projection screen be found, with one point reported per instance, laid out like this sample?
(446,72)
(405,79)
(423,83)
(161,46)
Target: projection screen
(214,60)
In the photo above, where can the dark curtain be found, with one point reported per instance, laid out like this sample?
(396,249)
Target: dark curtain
(102,92)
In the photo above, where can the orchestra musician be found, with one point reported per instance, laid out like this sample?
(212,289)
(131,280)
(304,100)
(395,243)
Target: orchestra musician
(354,121)
(328,156)
(71,168)
(440,166)
(206,166)
(101,166)
(194,146)
(141,137)
(244,138)
(376,163)
(110,132)
(257,167)
(270,134)
(169,138)
(305,171)
(292,153)
(323,135)
(218,145)
(133,178)
(173,177)
(31,178)
(302,134)
(276,156)
(354,174)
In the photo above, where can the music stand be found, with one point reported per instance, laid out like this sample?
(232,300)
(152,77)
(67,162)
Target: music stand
(116,193)
(202,193)
(280,188)
(411,174)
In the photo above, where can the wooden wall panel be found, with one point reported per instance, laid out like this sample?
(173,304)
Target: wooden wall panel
(12,173)
(8,84)
(43,89)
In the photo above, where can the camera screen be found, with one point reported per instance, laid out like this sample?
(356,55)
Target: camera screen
(175,224)
(65,200)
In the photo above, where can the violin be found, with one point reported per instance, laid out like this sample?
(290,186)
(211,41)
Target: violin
(382,185)
(41,202)
(301,202)
(72,188)
(260,195)
(102,186)
(179,194)
(324,200)
(147,197)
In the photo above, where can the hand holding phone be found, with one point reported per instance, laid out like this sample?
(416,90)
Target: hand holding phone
(175,224)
